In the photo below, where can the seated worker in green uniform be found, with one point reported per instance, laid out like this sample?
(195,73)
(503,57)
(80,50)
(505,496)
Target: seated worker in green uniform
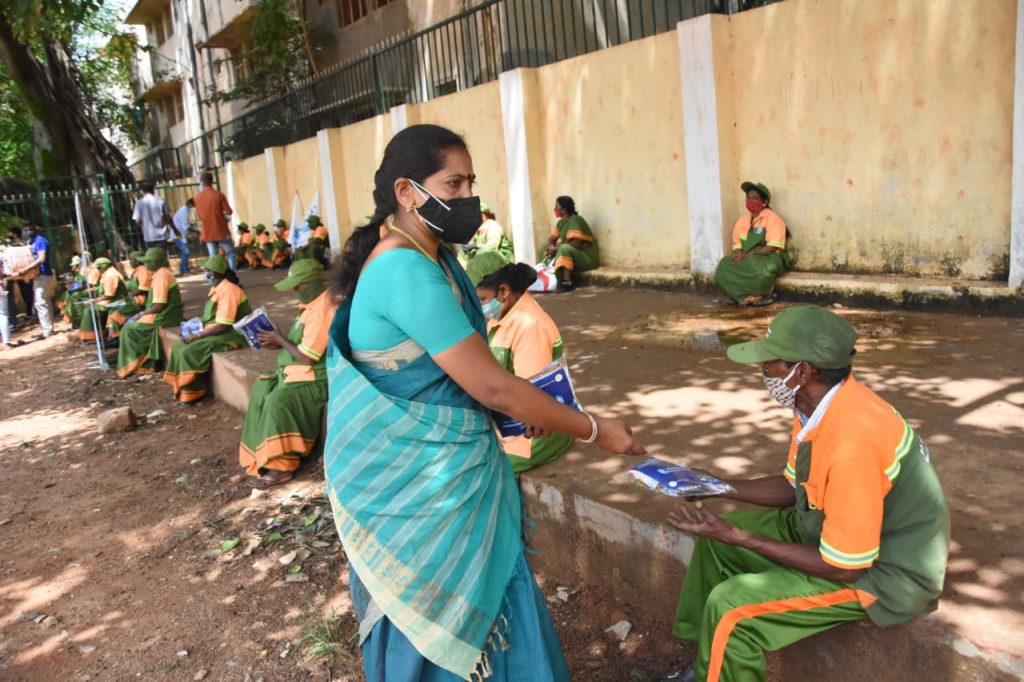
(857,525)
(524,340)
(759,256)
(188,363)
(109,292)
(489,238)
(572,246)
(140,351)
(285,413)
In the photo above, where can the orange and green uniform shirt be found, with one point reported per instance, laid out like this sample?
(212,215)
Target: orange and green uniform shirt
(868,496)
(569,258)
(766,224)
(110,287)
(285,412)
(189,363)
(525,342)
(867,499)
(140,349)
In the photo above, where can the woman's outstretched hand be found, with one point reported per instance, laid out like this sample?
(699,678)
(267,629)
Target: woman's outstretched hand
(616,436)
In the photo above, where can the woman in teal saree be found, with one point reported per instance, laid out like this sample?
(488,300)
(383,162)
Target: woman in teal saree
(423,497)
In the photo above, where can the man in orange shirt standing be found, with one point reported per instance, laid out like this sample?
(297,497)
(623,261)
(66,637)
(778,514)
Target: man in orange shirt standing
(213,209)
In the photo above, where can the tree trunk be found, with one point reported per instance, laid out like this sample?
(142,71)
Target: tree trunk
(70,150)
(68,141)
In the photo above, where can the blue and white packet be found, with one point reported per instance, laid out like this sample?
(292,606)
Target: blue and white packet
(191,327)
(553,380)
(677,480)
(252,324)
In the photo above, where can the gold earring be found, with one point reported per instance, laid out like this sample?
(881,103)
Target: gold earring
(409,208)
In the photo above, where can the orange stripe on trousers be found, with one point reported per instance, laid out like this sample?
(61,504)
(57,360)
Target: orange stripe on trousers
(729,621)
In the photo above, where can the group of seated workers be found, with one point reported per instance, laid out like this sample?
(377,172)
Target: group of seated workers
(259,248)
(284,416)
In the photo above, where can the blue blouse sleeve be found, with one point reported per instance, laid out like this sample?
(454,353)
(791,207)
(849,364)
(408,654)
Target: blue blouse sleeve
(414,294)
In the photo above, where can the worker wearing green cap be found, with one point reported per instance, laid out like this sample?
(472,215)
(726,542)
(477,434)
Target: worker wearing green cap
(190,357)
(281,250)
(139,279)
(489,243)
(316,246)
(759,255)
(110,292)
(857,525)
(285,411)
(75,285)
(140,350)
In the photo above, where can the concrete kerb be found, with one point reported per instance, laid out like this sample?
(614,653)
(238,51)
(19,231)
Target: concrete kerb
(592,530)
(873,291)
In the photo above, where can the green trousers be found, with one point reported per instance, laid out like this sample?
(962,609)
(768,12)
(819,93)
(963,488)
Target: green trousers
(736,604)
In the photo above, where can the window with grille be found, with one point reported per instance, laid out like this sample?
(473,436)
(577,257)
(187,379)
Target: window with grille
(351,11)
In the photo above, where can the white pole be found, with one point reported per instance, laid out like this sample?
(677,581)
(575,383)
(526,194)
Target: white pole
(101,360)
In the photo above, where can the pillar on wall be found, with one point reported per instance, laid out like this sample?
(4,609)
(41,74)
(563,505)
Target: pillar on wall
(399,118)
(328,196)
(701,142)
(520,204)
(272,155)
(1017,182)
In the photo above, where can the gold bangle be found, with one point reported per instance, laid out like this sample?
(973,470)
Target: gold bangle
(593,427)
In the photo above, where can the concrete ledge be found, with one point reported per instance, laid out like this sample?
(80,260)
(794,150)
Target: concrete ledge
(232,373)
(593,528)
(884,291)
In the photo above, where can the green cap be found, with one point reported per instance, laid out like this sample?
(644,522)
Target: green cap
(280,223)
(102,262)
(76,260)
(217,264)
(243,227)
(485,264)
(313,221)
(135,258)
(301,272)
(259,228)
(154,258)
(761,188)
(485,207)
(803,333)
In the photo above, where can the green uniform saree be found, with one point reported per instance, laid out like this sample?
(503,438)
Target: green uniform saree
(189,363)
(140,349)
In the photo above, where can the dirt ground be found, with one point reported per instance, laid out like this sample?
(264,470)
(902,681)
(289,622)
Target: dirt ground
(139,554)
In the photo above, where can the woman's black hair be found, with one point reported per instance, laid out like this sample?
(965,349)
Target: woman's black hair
(567,204)
(517,276)
(230,275)
(415,153)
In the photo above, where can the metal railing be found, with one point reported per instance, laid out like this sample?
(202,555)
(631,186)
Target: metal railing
(468,49)
(106,213)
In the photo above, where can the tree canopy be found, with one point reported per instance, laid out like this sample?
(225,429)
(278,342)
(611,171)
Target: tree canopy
(66,70)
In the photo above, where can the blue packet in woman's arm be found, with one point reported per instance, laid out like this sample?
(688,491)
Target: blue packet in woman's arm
(677,480)
(553,380)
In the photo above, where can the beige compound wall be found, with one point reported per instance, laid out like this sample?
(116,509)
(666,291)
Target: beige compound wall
(883,128)
(476,115)
(611,138)
(300,172)
(251,191)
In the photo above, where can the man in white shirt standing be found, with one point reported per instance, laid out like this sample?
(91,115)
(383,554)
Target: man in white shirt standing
(180,227)
(152,216)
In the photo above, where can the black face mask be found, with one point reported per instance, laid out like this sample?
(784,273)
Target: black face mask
(455,221)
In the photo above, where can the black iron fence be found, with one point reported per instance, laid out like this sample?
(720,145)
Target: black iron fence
(468,49)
